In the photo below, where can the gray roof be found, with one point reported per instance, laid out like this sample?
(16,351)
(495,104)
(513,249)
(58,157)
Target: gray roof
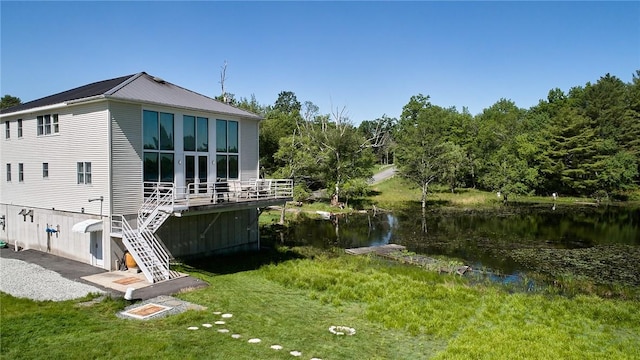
(140,87)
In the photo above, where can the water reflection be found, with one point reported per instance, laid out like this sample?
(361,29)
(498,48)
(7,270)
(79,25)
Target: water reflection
(481,238)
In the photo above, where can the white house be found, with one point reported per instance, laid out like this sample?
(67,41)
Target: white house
(133,163)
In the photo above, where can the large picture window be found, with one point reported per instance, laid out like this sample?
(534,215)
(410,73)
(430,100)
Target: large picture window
(227,149)
(196,133)
(158,144)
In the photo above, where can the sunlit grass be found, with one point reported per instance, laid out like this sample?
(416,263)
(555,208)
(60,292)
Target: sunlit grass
(399,312)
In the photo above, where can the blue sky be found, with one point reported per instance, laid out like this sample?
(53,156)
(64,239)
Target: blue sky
(369,57)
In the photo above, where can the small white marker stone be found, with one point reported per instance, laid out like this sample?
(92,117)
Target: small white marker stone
(254,341)
(236,336)
(217,312)
(192,328)
(276,347)
(223,330)
(219,322)
(296,353)
(226,316)
(207,325)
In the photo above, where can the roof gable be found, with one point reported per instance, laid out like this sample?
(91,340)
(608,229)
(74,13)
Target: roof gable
(153,90)
(142,88)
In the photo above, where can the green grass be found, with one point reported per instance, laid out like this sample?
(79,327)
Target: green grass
(291,299)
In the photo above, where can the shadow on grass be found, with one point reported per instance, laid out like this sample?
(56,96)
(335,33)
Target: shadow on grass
(233,263)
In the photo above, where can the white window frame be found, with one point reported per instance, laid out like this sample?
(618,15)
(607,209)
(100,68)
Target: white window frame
(84,172)
(8,172)
(48,124)
(19,128)
(45,170)
(20,172)
(7,131)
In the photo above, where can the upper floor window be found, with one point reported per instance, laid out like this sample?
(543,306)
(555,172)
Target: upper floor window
(20,172)
(196,133)
(8,172)
(19,128)
(45,170)
(7,131)
(84,172)
(48,124)
(158,130)
(227,136)
(227,149)
(158,144)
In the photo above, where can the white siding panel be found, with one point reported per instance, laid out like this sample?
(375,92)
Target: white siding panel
(83,136)
(126,150)
(248,149)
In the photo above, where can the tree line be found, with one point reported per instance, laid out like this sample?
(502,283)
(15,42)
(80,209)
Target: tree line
(585,142)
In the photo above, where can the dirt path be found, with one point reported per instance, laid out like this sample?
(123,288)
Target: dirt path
(383,175)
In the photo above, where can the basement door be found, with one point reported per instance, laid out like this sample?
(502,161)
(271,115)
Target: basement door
(95,247)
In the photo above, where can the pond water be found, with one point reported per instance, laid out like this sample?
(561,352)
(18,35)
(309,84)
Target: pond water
(597,241)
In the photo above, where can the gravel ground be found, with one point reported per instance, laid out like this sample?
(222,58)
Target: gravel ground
(26,280)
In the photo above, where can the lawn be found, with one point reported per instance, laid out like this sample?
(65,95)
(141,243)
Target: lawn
(291,297)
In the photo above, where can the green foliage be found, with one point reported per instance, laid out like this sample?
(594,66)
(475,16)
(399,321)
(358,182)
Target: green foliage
(8,101)
(354,188)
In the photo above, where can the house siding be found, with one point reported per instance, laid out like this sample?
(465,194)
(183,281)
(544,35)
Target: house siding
(83,137)
(249,149)
(126,157)
(24,233)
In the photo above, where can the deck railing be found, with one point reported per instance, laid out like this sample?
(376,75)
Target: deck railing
(211,193)
(239,190)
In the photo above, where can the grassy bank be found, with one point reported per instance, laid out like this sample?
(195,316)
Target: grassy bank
(397,193)
(292,298)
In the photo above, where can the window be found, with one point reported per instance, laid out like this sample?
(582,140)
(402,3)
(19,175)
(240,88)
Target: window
(48,124)
(84,173)
(45,170)
(20,172)
(158,144)
(196,133)
(8,172)
(19,128)
(7,132)
(227,149)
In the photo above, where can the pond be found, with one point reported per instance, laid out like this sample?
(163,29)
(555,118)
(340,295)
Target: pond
(598,242)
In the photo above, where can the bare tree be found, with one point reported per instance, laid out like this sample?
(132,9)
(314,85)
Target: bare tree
(223,77)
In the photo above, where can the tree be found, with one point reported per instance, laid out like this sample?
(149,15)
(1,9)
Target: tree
(8,101)
(251,105)
(454,161)
(281,121)
(420,142)
(346,153)
(379,134)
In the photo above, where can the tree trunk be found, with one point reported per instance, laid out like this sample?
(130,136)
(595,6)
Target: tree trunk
(284,207)
(424,194)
